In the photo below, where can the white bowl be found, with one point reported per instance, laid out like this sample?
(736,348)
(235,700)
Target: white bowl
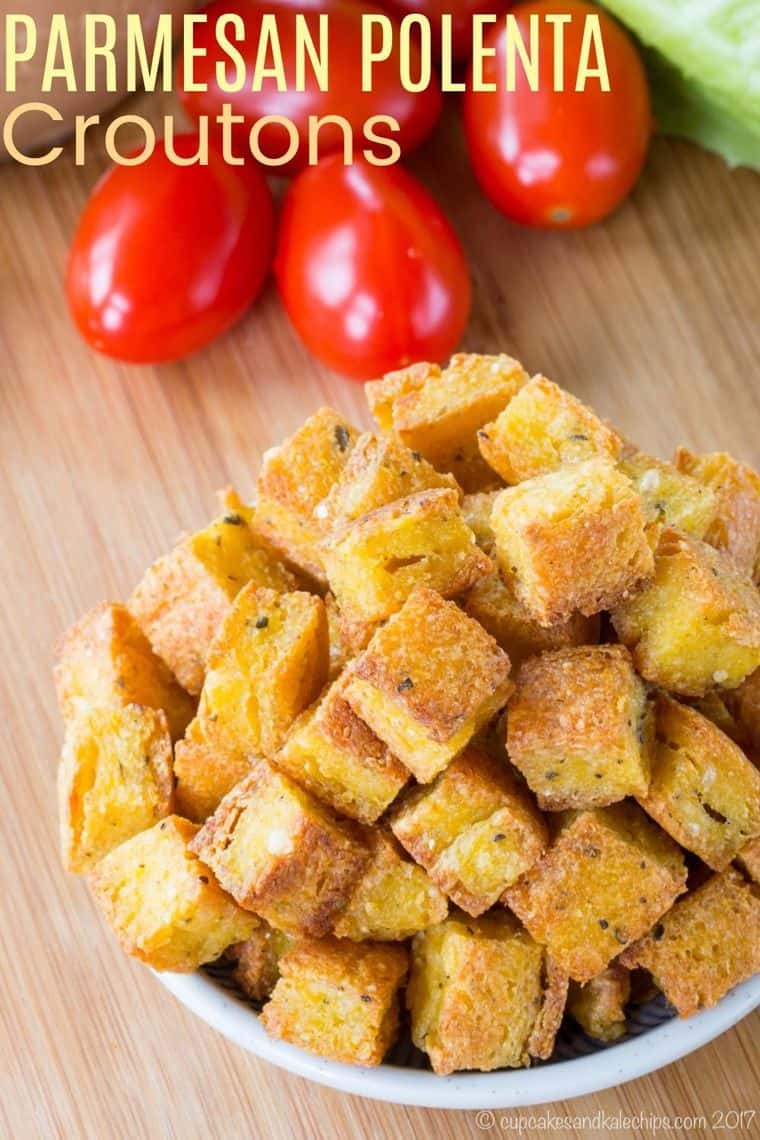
(579,1065)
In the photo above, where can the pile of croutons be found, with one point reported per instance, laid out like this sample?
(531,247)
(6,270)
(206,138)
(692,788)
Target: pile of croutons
(465,707)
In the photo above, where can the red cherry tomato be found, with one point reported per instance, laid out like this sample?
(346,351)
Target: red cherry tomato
(371,272)
(416,113)
(461,12)
(167,257)
(560,158)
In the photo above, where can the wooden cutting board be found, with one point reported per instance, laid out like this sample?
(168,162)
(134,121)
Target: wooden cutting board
(653,317)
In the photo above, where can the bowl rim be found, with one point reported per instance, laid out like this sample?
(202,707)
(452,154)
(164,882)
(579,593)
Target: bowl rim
(624,1061)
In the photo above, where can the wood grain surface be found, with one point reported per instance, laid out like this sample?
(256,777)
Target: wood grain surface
(654,317)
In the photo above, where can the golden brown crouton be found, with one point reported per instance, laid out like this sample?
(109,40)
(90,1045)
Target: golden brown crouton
(105,659)
(294,479)
(347,638)
(380,470)
(164,905)
(268,661)
(572,540)
(374,563)
(541,428)
(474,830)
(114,780)
(183,597)
(707,944)
(599,1005)
(280,853)
(668,495)
(338,999)
(205,770)
(735,524)
(749,860)
(438,413)
(492,602)
(394,898)
(704,791)
(408,684)
(609,875)
(336,757)
(257,961)
(696,626)
(476,993)
(580,728)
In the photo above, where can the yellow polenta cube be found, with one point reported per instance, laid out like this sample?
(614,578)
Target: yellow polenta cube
(294,479)
(114,780)
(337,757)
(749,860)
(280,853)
(476,995)
(429,679)
(268,661)
(609,875)
(492,601)
(668,495)
(394,898)
(580,727)
(374,563)
(380,470)
(338,999)
(540,429)
(599,1005)
(438,413)
(205,771)
(474,830)
(704,791)
(707,944)
(106,659)
(696,625)
(183,597)
(163,904)
(572,540)
(735,523)
(257,961)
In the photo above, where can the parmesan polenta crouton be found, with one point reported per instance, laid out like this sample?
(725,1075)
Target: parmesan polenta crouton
(205,771)
(429,679)
(707,944)
(438,413)
(268,661)
(294,479)
(599,1005)
(380,470)
(572,540)
(474,830)
(704,791)
(334,755)
(163,904)
(183,597)
(735,523)
(476,992)
(580,728)
(540,429)
(493,603)
(609,875)
(696,625)
(281,854)
(114,780)
(749,860)
(668,495)
(338,999)
(393,900)
(347,637)
(374,563)
(257,961)
(106,659)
